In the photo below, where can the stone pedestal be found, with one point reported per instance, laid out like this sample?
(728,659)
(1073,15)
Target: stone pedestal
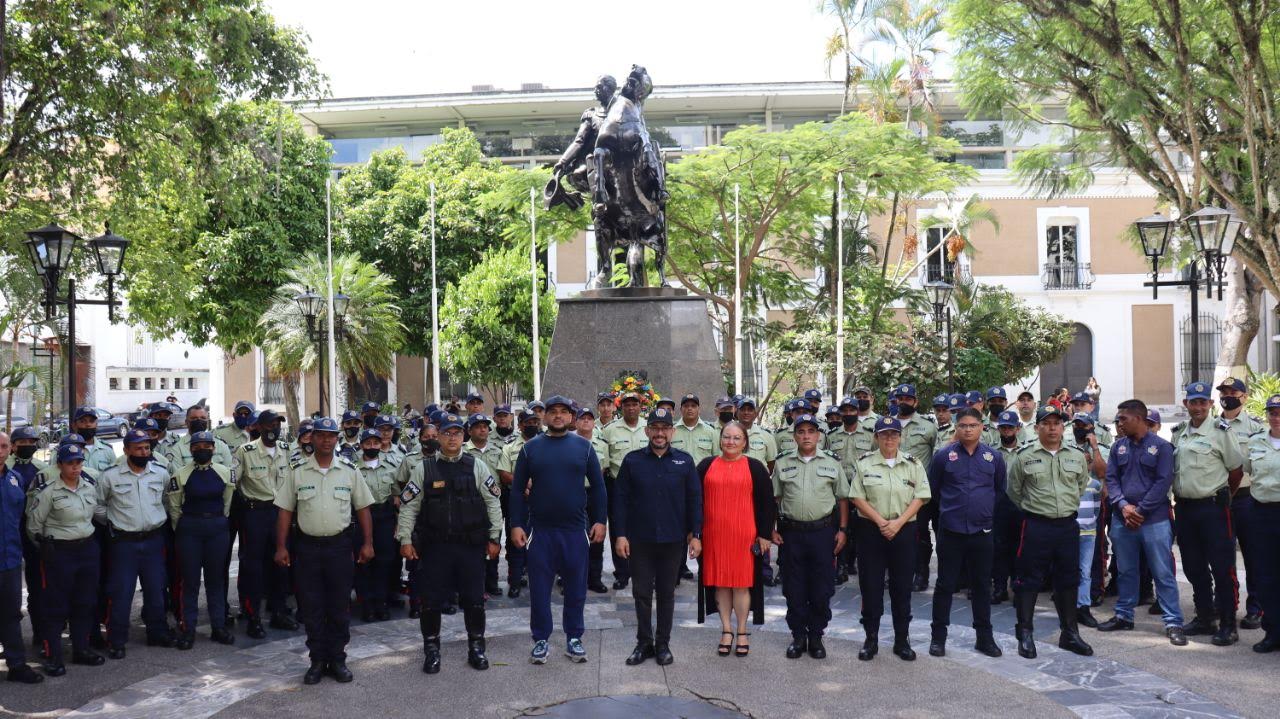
(663,331)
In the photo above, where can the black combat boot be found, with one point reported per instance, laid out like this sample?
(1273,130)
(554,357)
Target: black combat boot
(430,623)
(473,618)
(1070,639)
(1025,605)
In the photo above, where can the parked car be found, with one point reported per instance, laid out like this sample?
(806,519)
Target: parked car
(46,435)
(177,421)
(110,425)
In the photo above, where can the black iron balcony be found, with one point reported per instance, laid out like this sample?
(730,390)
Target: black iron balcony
(1067,276)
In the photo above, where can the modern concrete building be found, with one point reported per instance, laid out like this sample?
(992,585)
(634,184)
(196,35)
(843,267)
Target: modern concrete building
(1067,254)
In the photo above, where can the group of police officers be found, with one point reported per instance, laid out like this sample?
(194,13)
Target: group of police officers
(352,504)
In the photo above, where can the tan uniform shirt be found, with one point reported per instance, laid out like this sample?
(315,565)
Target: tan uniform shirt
(807,490)
(1263,462)
(132,502)
(700,441)
(1203,457)
(55,511)
(889,489)
(1046,483)
(258,472)
(760,444)
(323,499)
(623,440)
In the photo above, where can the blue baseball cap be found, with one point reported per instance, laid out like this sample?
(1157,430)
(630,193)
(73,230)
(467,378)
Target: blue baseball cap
(450,421)
(584,412)
(501,409)
(70,453)
(848,401)
(904,390)
(1198,390)
(794,404)
(941,400)
(160,407)
(1084,397)
(1048,411)
(351,415)
(604,397)
(71,438)
(324,424)
(147,424)
(661,415)
(805,418)
(1153,416)
(888,424)
(198,437)
(1084,417)
(995,392)
(813,395)
(525,415)
(368,407)
(370,434)
(244,404)
(304,426)
(1273,402)
(478,418)
(84,412)
(1232,383)
(1008,418)
(430,408)
(832,409)
(473,397)
(434,417)
(972,397)
(136,436)
(539,404)
(25,433)
(743,401)
(384,420)
(557,399)
(725,402)
(691,397)
(956,402)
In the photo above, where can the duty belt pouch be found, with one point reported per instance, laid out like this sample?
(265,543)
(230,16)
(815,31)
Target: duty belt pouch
(1223,497)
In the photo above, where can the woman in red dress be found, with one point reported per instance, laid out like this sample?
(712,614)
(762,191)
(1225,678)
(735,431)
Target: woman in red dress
(738,516)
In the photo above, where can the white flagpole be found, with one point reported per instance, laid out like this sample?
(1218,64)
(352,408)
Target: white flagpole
(333,345)
(435,318)
(533,272)
(737,296)
(839,392)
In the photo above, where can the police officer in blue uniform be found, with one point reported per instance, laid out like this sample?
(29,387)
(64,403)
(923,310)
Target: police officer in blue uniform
(966,478)
(13,500)
(28,470)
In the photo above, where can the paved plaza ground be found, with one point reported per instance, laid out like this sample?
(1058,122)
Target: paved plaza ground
(1133,674)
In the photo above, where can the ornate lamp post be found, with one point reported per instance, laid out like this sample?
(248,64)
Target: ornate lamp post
(50,249)
(310,305)
(940,295)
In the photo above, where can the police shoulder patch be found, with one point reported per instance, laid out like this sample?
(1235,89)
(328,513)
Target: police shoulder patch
(410,491)
(787,453)
(831,454)
(294,465)
(173,484)
(491,484)
(347,461)
(864,455)
(1224,424)
(92,482)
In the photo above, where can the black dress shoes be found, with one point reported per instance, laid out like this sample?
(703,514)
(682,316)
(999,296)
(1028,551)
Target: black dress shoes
(24,674)
(1200,626)
(662,653)
(221,636)
(938,648)
(1268,644)
(116,652)
(1225,636)
(1085,618)
(598,587)
(870,647)
(1115,624)
(619,584)
(988,646)
(88,658)
(643,651)
(1251,621)
(255,629)
(797,647)
(816,650)
(338,670)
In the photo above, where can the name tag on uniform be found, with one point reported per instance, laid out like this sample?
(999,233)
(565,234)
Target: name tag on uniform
(790,470)
(438,484)
(1030,462)
(677,461)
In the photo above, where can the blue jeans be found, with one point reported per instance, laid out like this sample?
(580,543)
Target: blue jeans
(1086,569)
(1155,542)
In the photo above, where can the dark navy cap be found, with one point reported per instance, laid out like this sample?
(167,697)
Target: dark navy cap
(941,400)
(813,395)
(304,426)
(1081,397)
(1008,418)
(25,433)
(604,397)
(450,421)
(478,418)
(539,404)
(136,436)
(832,409)
(269,416)
(198,437)
(724,402)
(795,403)
(324,424)
(350,415)
(84,412)
(585,412)
(1153,416)
(665,400)
(557,399)
(848,401)
(1084,417)
(972,397)
(861,389)
(368,407)
(384,420)
(526,414)
(737,398)
(1232,383)
(1198,390)
(244,404)
(744,401)
(661,415)
(1273,401)
(997,392)
(501,409)
(473,397)
(435,416)
(147,424)
(159,407)
(430,408)
(1048,411)
(904,390)
(71,438)
(888,424)
(690,398)
(805,418)
(956,402)
(370,434)
(70,453)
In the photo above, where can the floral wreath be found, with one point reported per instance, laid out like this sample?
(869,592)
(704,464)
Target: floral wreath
(636,382)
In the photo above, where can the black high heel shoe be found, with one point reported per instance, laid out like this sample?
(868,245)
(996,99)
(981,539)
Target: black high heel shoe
(740,650)
(724,649)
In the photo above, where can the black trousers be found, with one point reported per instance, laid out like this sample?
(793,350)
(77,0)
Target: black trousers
(1048,551)
(1207,543)
(445,568)
(15,651)
(70,575)
(928,515)
(31,569)
(1005,534)
(259,576)
(1266,541)
(809,578)
(324,575)
(621,568)
(374,579)
(1242,524)
(876,555)
(655,566)
(972,552)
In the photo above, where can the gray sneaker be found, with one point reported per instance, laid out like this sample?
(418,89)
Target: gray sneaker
(539,653)
(575,651)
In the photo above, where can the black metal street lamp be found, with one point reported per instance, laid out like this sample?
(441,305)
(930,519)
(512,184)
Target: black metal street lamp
(940,295)
(1214,231)
(311,305)
(50,249)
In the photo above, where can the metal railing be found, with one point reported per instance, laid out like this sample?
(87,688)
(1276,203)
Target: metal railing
(1067,276)
(272,391)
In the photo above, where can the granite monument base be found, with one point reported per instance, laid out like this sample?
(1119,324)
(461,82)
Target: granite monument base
(662,331)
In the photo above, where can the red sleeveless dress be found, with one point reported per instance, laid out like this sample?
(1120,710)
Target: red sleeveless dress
(728,524)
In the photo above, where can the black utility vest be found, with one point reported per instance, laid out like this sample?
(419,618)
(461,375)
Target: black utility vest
(453,511)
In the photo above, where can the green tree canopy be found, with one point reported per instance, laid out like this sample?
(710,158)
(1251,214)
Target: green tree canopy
(486,319)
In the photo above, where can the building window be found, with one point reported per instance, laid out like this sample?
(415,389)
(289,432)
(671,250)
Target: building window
(113,383)
(191,383)
(1064,268)
(148,383)
(939,266)
(164,383)
(133,384)
(177,383)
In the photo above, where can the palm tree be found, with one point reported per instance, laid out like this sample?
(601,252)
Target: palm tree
(914,29)
(371,326)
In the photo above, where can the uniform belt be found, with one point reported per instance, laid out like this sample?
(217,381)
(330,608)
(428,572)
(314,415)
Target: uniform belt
(118,536)
(1200,500)
(203,515)
(257,503)
(339,538)
(1242,492)
(793,524)
(67,542)
(1043,518)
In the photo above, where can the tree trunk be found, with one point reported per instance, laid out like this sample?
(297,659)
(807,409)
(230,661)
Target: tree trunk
(14,346)
(1242,300)
(292,416)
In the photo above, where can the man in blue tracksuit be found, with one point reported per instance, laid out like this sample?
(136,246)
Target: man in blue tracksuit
(552,522)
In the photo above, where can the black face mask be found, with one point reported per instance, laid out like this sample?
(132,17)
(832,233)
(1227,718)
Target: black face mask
(529,432)
(307,448)
(995,409)
(351,432)
(198,425)
(139,462)
(1008,441)
(431,446)
(1229,403)
(88,434)
(849,420)
(254,434)
(504,431)
(269,437)
(833,423)
(1081,435)
(906,410)
(202,456)
(371,452)
(864,405)
(369,420)
(25,452)
(726,417)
